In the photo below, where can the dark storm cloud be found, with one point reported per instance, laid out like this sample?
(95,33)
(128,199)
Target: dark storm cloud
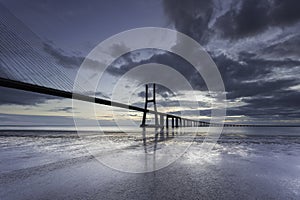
(286,49)
(255,16)
(166,58)
(248,76)
(19,97)
(190,16)
(281,102)
(264,91)
(279,105)
(282,105)
(251,17)
(285,12)
(259,88)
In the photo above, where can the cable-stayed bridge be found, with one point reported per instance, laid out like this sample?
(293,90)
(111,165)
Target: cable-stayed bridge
(25,65)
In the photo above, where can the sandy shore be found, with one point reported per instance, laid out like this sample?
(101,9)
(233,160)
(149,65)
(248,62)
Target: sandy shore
(237,168)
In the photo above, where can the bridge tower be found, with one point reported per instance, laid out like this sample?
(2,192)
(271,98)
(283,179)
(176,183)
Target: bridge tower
(147,100)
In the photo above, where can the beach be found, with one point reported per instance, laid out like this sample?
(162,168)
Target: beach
(246,163)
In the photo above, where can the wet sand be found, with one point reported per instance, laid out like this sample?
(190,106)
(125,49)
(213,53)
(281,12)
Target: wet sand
(239,167)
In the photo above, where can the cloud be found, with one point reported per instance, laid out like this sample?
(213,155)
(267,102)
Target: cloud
(190,16)
(163,92)
(282,105)
(254,76)
(287,49)
(67,109)
(242,19)
(285,12)
(165,58)
(63,59)
(72,62)
(19,97)
(254,16)
(262,85)
(25,120)
(250,19)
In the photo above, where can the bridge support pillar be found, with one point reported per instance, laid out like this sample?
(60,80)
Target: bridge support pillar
(176,124)
(172,122)
(147,100)
(167,121)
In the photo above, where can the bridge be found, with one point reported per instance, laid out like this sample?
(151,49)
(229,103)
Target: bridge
(176,121)
(163,121)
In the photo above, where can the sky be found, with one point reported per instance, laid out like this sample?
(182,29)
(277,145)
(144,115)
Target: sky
(255,45)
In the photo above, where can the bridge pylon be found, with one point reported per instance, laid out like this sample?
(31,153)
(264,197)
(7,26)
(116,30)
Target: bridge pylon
(147,101)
